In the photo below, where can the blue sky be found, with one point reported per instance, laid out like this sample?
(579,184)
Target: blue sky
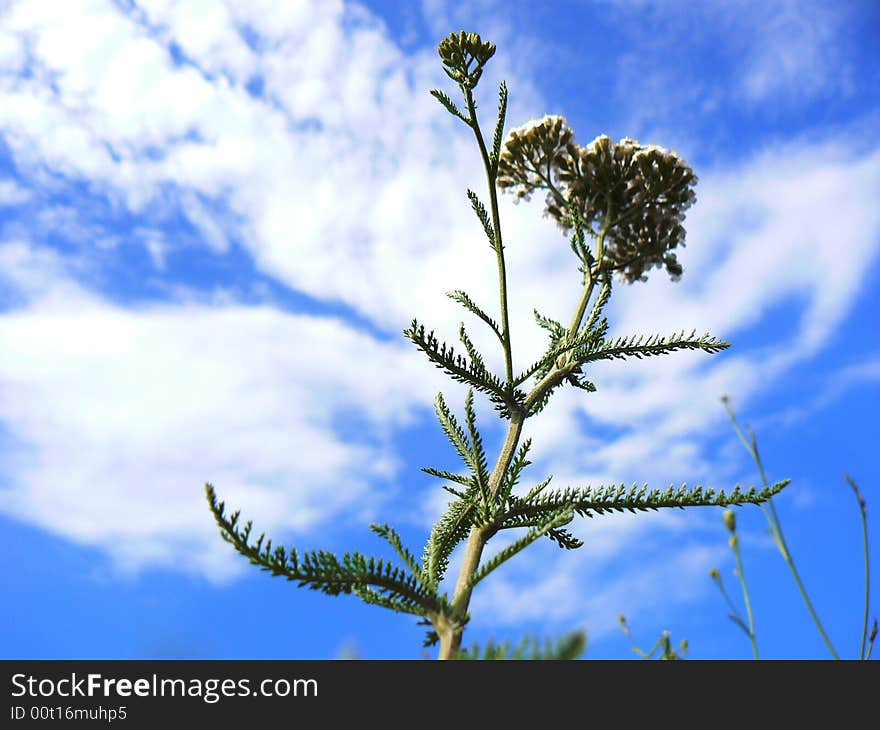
(216,219)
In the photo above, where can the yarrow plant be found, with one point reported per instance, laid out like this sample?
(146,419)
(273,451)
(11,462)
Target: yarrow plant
(623,205)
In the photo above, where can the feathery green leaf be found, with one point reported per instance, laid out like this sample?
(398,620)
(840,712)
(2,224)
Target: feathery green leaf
(450,530)
(324,571)
(568,647)
(393,538)
(449,105)
(599,305)
(498,137)
(620,498)
(640,346)
(478,463)
(464,479)
(511,477)
(465,301)
(480,210)
(462,370)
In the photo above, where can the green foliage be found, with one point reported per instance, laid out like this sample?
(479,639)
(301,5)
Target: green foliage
(568,647)
(480,210)
(390,534)
(514,471)
(472,372)
(449,105)
(374,580)
(498,137)
(590,501)
(448,532)
(639,346)
(465,301)
(625,208)
(599,305)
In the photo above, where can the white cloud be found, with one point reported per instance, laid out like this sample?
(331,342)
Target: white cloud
(652,575)
(795,52)
(120,416)
(371,199)
(787,51)
(12,194)
(833,386)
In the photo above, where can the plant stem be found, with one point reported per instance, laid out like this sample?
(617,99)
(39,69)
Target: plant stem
(588,289)
(450,638)
(776,528)
(745,589)
(582,305)
(450,641)
(863,511)
(491,173)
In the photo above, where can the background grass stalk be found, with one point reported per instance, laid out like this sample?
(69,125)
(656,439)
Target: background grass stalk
(769,510)
(863,511)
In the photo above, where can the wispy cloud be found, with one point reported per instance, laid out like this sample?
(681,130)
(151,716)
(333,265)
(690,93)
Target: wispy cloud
(651,575)
(118,416)
(12,194)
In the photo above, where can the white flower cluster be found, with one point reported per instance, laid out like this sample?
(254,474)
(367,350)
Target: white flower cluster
(636,194)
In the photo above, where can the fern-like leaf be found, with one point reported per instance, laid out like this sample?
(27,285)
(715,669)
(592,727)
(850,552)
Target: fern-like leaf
(465,301)
(450,530)
(320,570)
(393,538)
(473,353)
(591,501)
(555,328)
(459,367)
(498,137)
(511,477)
(449,105)
(561,345)
(368,595)
(640,346)
(564,539)
(463,479)
(568,647)
(537,489)
(478,462)
(453,431)
(599,305)
(480,210)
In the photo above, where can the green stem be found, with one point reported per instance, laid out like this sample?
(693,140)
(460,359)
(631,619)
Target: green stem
(582,305)
(491,173)
(745,589)
(588,289)
(863,511)
(734,611)
(776,530)
(450,637)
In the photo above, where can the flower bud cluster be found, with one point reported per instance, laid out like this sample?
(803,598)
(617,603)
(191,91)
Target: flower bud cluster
(459,51)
